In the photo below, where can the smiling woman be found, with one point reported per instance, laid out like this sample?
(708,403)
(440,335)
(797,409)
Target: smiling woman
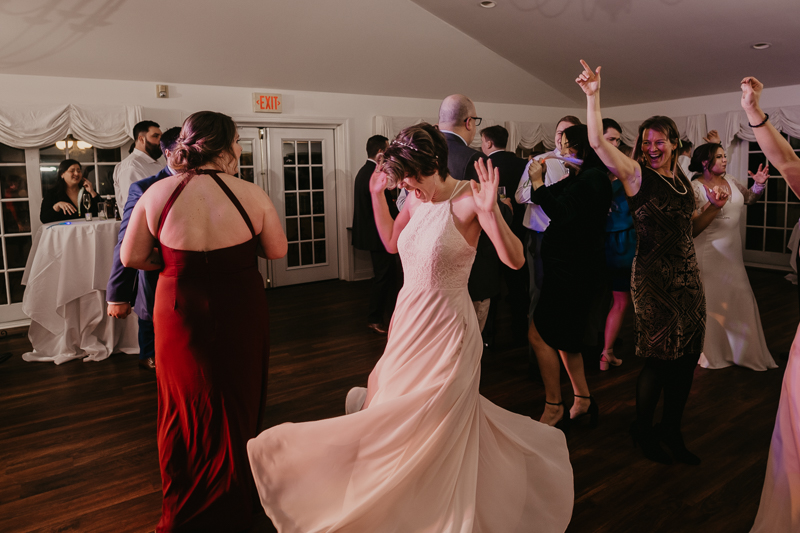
(667,291)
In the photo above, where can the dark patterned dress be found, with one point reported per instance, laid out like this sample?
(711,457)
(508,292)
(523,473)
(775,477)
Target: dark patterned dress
(667,292)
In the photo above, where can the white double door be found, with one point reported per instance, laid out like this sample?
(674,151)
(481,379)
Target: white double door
(296,168)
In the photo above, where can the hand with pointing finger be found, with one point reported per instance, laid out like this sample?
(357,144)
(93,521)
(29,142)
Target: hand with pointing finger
(588,80)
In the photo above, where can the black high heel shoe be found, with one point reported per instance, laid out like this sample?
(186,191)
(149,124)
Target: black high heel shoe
(674,441)
(593,412)
(562,424)
(646,439)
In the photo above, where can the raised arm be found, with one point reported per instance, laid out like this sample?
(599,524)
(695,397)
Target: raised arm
(775,147)
(623,167)
(388,229)
(508,246)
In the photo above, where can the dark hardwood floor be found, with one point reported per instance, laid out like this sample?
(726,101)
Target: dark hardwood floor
(78,441)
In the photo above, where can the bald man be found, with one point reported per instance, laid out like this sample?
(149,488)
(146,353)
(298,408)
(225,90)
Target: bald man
(458,121)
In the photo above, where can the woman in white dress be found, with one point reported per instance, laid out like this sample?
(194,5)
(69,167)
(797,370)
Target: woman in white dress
(778,511)
(733,327)
(422,451)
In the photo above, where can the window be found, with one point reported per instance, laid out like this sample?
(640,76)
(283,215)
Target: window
(98,163)
(15,223)
(770,221)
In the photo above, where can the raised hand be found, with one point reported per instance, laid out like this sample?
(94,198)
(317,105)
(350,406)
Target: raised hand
(751,92)
(485,194)
(717,196)
(588,80)
(377,182)
(712,137)
(761,175)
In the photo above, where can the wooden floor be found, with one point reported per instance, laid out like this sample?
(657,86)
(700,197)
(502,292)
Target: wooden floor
(78,441)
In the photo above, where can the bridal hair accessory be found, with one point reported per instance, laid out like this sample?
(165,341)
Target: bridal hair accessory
(408,145)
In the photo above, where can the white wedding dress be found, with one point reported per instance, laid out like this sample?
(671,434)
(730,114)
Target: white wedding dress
(734,335)
(426,453)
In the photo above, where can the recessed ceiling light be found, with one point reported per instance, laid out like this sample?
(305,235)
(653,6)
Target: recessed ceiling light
(488,4)
(761,46)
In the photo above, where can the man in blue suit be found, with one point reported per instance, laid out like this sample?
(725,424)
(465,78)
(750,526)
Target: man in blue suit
(129,287)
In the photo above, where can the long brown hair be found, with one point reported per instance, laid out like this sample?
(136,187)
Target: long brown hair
(206,136)
(668,127)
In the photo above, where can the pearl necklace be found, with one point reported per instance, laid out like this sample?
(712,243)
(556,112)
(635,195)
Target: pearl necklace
(671,186)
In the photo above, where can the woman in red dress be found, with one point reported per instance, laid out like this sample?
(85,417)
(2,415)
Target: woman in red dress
(205,227)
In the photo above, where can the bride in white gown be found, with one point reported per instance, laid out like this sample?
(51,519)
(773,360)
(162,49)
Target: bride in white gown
(734,335)
(423,452)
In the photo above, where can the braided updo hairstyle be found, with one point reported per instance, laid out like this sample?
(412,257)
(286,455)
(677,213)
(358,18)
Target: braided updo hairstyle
(418,151)
(206,137)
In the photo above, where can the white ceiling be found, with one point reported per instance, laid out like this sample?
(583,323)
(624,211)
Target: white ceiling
(522,51)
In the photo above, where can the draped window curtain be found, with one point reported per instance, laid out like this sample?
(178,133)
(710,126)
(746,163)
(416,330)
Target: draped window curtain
(785,119)
(38,126)
(529,134)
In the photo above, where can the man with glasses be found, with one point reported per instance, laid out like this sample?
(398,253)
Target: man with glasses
(458,121)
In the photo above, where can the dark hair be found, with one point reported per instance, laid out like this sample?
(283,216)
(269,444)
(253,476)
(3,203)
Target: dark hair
(666,126)
(685,147)
(497,134)
(572,119)
(702,158)
(205,137)
(170,138)
(578,139)
(61,185)
(375,145)
(142,128)
(417,151)
(611,123)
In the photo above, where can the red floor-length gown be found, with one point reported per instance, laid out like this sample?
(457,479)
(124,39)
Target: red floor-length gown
(212,341)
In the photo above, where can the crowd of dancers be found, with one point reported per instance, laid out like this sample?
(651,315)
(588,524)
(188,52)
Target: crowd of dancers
(587,228)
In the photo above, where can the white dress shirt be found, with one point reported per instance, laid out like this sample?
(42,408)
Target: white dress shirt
(555,170)
(137,166)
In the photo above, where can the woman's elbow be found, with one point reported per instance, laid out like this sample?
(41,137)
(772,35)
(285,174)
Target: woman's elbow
(277,250)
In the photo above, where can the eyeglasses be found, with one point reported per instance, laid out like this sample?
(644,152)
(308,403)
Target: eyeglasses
(476,119)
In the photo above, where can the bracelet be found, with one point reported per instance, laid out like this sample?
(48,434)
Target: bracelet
(766,118)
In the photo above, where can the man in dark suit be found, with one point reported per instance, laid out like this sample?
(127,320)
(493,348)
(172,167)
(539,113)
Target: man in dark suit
(365,237)
(129,287)
(494,140)
(458,122)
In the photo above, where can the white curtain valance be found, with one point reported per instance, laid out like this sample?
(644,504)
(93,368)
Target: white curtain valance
(37,126)
(785,119)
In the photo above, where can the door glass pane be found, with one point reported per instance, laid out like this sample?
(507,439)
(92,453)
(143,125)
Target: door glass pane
(316,178)
(291,204)
(319,252)
(109,155)
(754,239)
(319,202)
(3,297)
(16,217)
(247,174)
(12,182)
(305,229)
(11,155)
(775,214)
(306,253)
(293,255)
(302,153)
(774,241)
(305,203)
(105,180)
(289,179)
(247,153)
(303,180)
(291,230)
(15,283)
(17,249)
(288,153)
(80,152)
(319,227)
(316,153)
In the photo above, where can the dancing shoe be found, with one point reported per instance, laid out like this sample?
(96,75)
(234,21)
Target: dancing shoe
(377,328)
(674,441)
(562,424)
(148,364)
(355,400)
(646,439)
(608,360)
(593,412)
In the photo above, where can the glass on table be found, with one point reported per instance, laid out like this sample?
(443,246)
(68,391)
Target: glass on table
(502,192)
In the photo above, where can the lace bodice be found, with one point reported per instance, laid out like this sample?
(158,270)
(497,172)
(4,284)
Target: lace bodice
(434,253)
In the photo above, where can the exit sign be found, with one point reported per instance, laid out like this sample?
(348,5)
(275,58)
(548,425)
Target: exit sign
(267,103)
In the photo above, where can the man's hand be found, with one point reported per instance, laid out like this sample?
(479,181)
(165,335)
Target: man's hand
(119,310)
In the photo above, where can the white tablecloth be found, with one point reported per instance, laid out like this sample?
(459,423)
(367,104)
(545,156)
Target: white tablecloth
(65,279)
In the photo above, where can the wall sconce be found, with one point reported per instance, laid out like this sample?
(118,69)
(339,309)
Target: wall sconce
(162,91)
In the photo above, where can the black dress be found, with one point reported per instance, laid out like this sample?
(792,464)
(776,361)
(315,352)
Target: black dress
(52,197)
(573,256)
(667,291)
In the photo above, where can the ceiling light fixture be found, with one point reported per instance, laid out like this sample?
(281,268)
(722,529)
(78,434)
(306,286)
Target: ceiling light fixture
(488,4)
(761,46)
